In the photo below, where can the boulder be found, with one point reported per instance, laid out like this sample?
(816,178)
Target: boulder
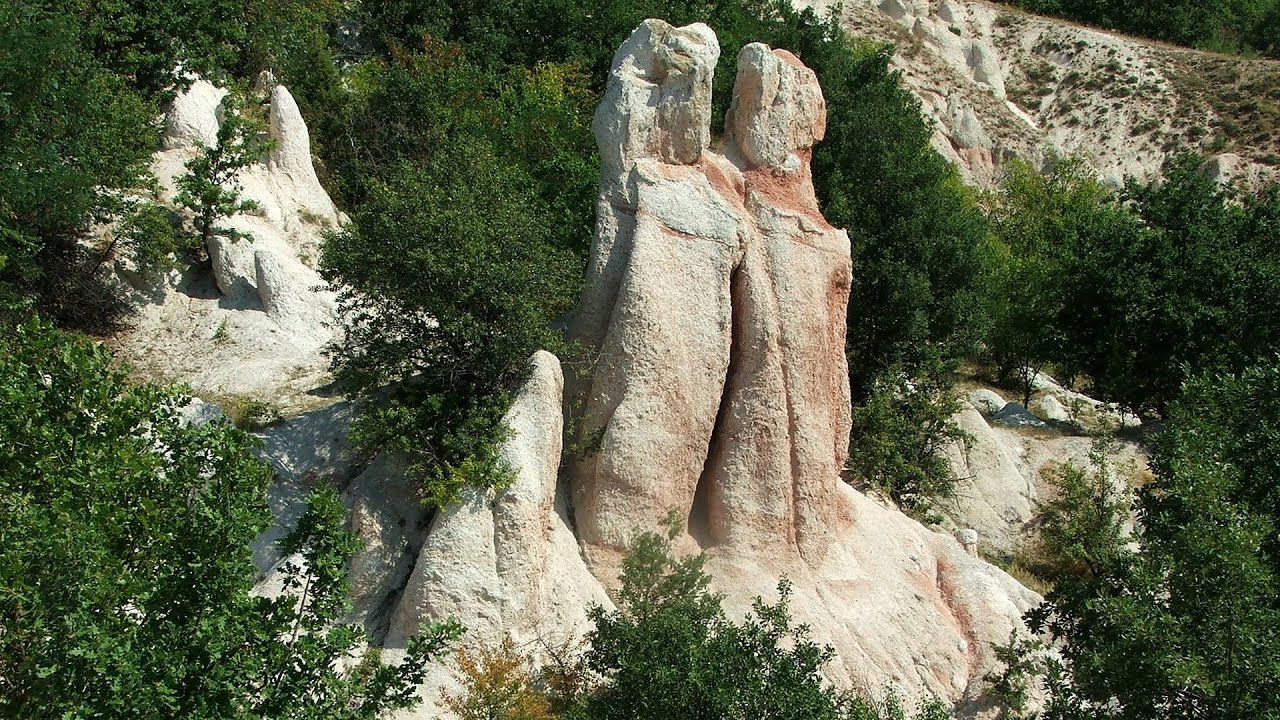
(992,496)
(293,294)
(256,325)
(985,65)
(198,412)
(291,159)
(658,106)
(658,101)
(1051,409)
(953,13)
(192,118)
(987,402)
(967,130)
(1016,415)
(777,108)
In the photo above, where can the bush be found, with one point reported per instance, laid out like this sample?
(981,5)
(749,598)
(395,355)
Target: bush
(125,572)
(449,282)
(901,436)
(1135,293)
(74,142)
(669,651)
(1185,622)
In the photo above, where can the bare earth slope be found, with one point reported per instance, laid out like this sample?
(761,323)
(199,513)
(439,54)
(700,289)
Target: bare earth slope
(1002,83)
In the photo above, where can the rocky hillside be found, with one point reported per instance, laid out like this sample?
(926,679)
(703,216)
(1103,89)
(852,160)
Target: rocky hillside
(1001,83)
(716,303)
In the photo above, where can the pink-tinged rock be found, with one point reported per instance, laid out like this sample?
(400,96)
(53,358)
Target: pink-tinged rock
(714,321)
(777,108)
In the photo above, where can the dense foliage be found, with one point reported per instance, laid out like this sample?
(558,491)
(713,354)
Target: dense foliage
(669,650)
(74,138)
(442,303)
(1225,25)
(1133,292)
(1185,622)
(125,566)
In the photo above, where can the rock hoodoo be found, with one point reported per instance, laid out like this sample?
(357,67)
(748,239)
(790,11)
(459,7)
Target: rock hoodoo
(715,303)
(254,322)
(714,310)
(721,390)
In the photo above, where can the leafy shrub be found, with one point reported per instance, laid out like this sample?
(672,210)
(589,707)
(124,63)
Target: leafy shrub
(125,571)
(449,282)
(668,650)
(74,141)
(900,440)
(1185,622)
(496,686)
(1132,292)
(1080,532)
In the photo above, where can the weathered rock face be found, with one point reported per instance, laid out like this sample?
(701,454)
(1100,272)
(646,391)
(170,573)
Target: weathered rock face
(255,322)
(777,108)
(507,566)
(716,362)
(1001,83)
(715,306)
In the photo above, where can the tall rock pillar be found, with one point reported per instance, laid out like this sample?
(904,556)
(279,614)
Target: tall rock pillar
(713,313)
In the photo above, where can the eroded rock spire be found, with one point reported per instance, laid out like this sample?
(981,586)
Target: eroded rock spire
(716,300)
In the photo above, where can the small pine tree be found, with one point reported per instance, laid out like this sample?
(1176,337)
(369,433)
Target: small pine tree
(210,189)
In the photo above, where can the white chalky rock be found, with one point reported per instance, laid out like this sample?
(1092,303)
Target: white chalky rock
(507,566)
(777,107)
(715,308)
(192,118)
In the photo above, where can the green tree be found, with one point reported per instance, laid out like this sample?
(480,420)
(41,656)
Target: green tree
(669,651)
(74,142)
(210,189)
(154,43)
(1135,293)
(1185,623)
(1038,220)
(450,281)
(901,436)
(125,569)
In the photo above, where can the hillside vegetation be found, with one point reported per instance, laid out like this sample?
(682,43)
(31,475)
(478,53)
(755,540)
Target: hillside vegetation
(1237,26)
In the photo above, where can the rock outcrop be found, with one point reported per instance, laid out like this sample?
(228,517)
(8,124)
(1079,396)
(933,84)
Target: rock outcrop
(253,323)
(1001,83)
(507,566)
(715,306)
(698,263)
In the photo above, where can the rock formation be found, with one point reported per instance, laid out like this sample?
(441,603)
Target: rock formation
(252,323)
(714,308)
(714,312)
(507,566)
(721,390)
(1001,83)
